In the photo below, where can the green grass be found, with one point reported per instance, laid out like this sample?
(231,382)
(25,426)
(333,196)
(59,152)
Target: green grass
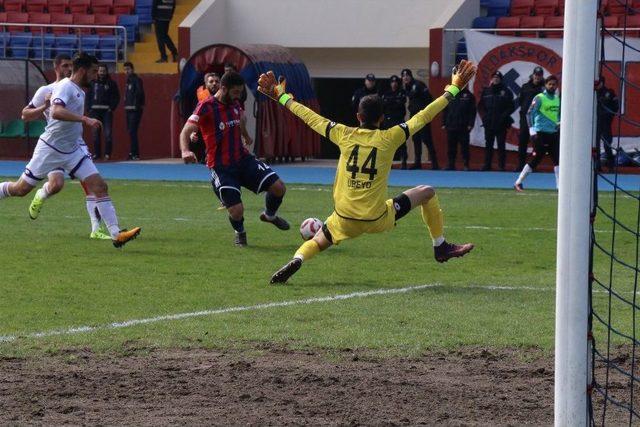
(53,277)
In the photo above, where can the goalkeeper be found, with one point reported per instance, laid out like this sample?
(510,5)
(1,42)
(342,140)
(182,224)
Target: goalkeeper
(360,187)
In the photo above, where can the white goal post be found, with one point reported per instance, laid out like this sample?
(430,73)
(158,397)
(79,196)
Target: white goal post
(574,198)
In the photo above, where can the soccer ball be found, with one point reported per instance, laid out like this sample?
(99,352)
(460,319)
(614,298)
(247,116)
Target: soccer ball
(309,228)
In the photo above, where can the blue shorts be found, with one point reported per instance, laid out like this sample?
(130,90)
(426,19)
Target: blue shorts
(249,173)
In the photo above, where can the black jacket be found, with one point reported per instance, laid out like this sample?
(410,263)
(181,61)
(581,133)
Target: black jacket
(419,96)
(361,93)
(608,105)
(394,107)
(103,95)
(528,91)
(496,106)
(162,10)
(460,114)
(134,93)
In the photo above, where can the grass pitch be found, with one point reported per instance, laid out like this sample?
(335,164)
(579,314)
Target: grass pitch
(501,295)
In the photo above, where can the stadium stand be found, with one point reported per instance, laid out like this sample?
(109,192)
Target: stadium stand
(545,7)
(101,6)
(521,7)
(498,7)
(79,6)
(61,19)
(508,22)
(57,6)
(484,22)
(531,22)
(553,22)
(36,6)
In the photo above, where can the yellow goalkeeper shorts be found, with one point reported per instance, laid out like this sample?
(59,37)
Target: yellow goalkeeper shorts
(344,228)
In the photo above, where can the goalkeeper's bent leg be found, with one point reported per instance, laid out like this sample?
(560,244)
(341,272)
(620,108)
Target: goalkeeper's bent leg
(307,250)
(433,218)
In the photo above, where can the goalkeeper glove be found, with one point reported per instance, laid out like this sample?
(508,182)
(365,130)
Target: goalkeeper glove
(461,76)
(276,90)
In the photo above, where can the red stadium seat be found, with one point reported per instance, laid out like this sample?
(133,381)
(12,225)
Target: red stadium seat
(508,22)
(617,7)
(545,7)
(521,7)
(14,5)
(610,22)
(39,18)
(83,20)
(531,22)
(36,6)
(553,22)
(123,7)
(101,6)
(561,8)
(633,21)
(3,18)
(17,18)
(79,6)
(61,19)
(57,6)
(604,7)
(105,20)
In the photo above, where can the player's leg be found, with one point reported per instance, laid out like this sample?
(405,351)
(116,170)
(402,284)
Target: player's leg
(523,143)
(94,216)
(426,197)
(19,188)
(226,186)
(321,241)
(536,157)
(55,182)
(43,161)
(86,172)
(554,152)
(273,200)
(236,219)
(257,176)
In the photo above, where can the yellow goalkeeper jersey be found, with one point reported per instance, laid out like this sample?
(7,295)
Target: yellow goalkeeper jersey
(366,155)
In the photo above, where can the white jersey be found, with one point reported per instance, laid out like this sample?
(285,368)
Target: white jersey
(39,99)
(63,136)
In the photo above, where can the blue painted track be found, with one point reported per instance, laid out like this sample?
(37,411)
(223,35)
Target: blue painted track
(300,174)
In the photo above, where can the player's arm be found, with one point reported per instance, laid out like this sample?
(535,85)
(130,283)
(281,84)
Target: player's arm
(189,128)
(268,85)
(460,78)
(37,106)
(243,130)
(59,112)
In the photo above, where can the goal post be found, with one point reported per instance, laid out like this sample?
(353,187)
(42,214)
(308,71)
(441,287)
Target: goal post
(574,200)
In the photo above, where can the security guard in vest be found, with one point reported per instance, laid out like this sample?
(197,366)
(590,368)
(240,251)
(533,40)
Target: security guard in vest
(102,100)
(393,102)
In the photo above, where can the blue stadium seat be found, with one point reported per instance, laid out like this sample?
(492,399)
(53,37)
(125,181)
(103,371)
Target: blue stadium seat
(143,10)
(4,44)
(498,8)
(130,22)
(485,3)
(19,44)
(107,47)
(484,22)
(89,44)
(42,46)
(67,44)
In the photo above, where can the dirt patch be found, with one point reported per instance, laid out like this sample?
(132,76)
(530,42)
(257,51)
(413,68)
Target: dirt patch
(278,386)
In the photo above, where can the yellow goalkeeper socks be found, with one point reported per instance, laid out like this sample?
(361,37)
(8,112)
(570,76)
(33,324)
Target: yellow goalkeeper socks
(308,250)
(433,218)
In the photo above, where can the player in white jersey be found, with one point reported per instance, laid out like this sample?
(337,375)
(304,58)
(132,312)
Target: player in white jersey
(58,147)
(39,106)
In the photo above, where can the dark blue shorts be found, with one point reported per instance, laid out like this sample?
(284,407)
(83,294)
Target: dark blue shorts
(249,173)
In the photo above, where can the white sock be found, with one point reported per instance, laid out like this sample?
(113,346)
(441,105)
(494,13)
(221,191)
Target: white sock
(108,214)
(299,256)
(556,170)
(4,190)
(43,193)
(438,241)
(94,216)
(526,170)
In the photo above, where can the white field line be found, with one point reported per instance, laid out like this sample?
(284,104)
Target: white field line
(179,316)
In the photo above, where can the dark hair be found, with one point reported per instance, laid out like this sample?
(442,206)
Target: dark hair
(231,78)
(206,76)
(129,64)
(83,60)
(549,78)
(61,57)
(371,109)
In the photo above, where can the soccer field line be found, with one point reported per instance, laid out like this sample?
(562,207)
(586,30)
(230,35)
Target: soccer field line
(211,312)
(340,297)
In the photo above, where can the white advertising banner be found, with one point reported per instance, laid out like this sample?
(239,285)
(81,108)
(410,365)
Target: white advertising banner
(516,57)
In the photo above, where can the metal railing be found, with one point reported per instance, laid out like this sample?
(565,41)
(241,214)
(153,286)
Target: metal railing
(44,49)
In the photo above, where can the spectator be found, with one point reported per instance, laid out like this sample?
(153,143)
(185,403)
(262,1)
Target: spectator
(369,88)
(161,13)
(458,120)
(133,105)
(393,102)
(210,86)
(102,99)
(495,107)
(529,90)
(608,106)
(419,97)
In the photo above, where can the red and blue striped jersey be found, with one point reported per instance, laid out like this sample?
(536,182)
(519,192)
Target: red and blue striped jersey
(219,125)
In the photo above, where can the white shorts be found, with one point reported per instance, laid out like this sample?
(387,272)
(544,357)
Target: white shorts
(47,159)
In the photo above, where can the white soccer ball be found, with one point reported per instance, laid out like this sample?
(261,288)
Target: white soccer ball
(309,228)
